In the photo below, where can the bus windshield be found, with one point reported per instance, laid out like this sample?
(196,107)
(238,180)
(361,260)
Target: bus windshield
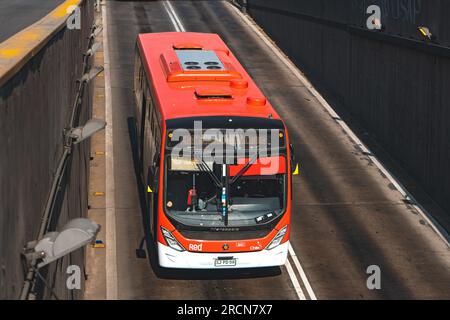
(255,191)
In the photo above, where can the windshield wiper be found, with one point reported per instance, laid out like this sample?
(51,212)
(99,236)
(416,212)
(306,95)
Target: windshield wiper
(244,168)
(203,166)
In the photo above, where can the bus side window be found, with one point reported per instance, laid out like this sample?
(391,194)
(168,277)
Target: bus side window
(158,138)
(149,104)
(138,73)
(156,129)
(136,70)
(141,76)
(152,125)
(149,149)
(151,117)
(156,133)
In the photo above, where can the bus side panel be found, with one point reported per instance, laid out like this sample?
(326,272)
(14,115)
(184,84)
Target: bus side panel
(148,121)
(151,153)
(147,152)
(149,149)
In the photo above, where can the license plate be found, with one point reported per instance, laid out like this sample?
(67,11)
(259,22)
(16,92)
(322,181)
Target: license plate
(224,262)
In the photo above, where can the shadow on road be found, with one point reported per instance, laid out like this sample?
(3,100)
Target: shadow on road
(182,274)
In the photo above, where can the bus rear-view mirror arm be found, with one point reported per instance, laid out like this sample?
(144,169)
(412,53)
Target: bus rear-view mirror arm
(294,164)
(153,179)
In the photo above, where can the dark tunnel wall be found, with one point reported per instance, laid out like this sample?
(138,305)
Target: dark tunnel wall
(394,82)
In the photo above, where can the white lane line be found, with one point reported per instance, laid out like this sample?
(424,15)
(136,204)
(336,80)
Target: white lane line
(283,58)
(173,16)
(111,256)
(302,273)
(174,22)
(439,230)
(296,284)
(176,17)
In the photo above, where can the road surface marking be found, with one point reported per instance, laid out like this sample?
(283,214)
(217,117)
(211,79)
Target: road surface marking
(302,273)
(111,255)
(296,284)
(173,17)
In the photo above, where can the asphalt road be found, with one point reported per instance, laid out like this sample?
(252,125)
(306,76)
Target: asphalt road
(16,15)
(346,214)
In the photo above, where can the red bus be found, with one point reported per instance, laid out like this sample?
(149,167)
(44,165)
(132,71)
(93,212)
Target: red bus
(214,156)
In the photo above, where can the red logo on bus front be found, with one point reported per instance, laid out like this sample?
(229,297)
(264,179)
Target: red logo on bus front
(218,246)
(195,247)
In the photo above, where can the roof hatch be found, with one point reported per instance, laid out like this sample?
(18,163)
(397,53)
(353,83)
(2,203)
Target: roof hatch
(213,93)
(199,60)
(186,63)
(187,46)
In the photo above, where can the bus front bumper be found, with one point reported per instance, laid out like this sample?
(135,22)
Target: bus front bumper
(170,258)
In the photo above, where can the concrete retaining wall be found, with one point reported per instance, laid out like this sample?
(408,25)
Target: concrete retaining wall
(38,72)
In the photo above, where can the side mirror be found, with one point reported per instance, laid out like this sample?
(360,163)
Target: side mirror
(153,179)
(296,170)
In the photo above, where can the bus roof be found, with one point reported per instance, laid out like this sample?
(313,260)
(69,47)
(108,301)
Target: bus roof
(196,75)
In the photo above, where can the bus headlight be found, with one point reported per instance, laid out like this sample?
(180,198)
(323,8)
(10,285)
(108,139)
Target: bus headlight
(170,239)
(277,239)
